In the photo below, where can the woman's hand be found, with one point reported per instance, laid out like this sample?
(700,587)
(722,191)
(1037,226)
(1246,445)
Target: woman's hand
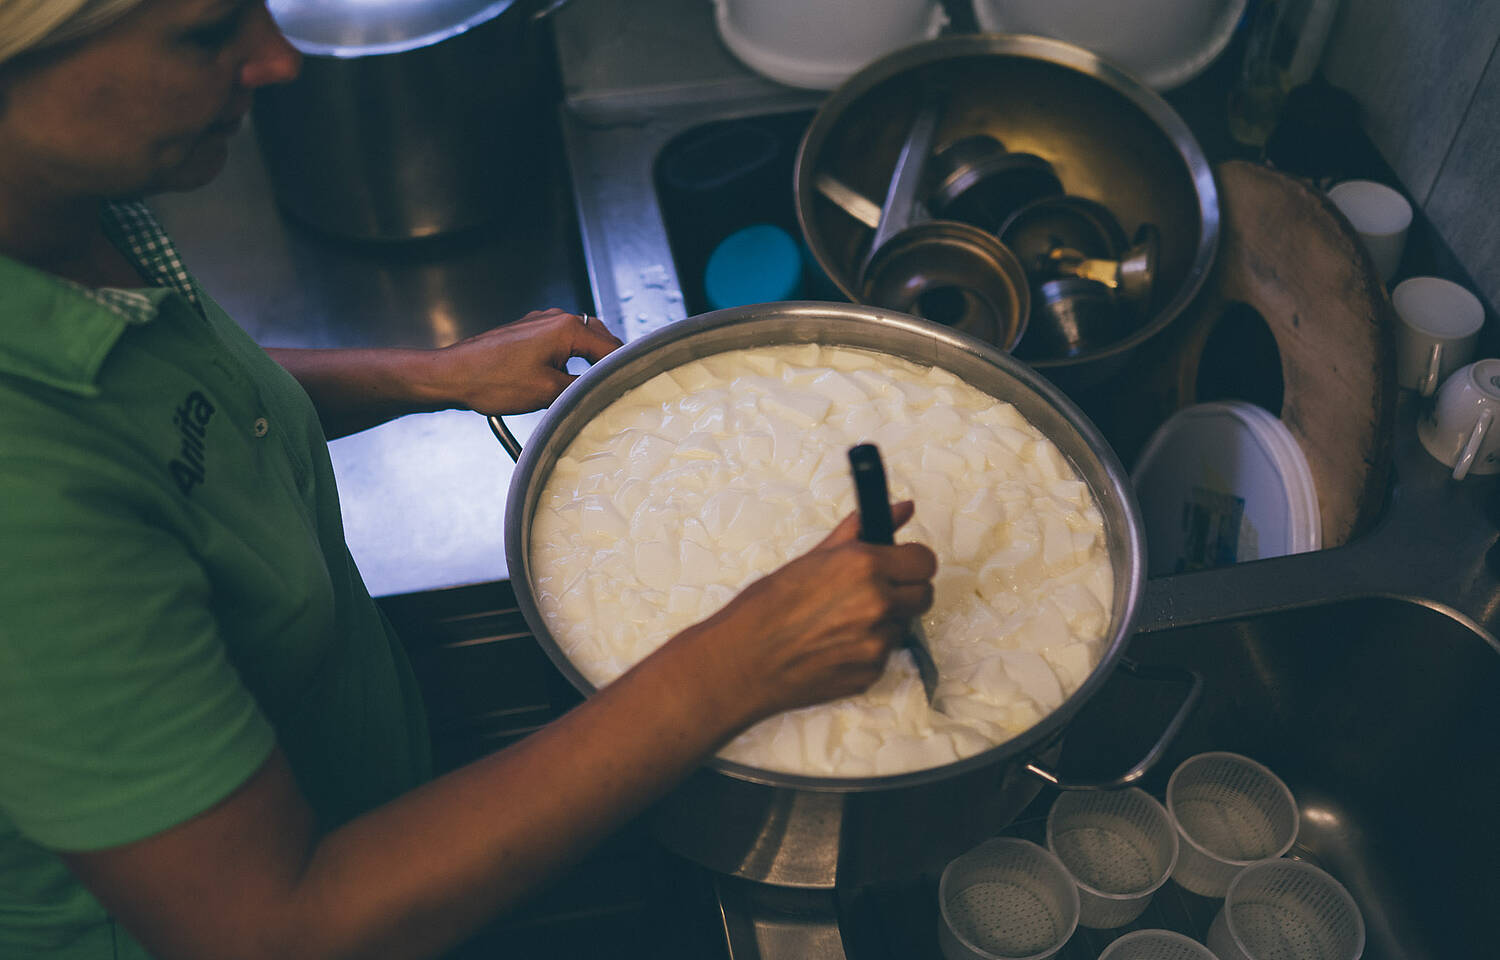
(820,627)
(523,366)
(252,877)
(514,368)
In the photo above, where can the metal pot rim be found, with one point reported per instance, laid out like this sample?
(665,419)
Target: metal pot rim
(477,13)
(603,383)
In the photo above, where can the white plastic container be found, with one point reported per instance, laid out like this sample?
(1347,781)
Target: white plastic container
(1156,945)
(1230,812)
(1437,332)
(1164,43)
(1006,899)
(1222,483)
(817,44)
(1119,845)
(1380,216)
(1287,908)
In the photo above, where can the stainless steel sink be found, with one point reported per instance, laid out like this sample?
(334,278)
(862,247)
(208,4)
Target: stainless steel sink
(1375,712)
(1366,675)
(1378,714)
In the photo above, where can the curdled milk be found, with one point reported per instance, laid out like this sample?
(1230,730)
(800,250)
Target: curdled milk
(713,474)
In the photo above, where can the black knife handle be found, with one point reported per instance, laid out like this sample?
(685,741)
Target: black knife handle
(875,523)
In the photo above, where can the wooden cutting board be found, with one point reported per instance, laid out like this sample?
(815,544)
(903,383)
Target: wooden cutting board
(1286,253)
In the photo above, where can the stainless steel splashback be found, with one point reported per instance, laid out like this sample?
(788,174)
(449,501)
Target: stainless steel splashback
(634,77)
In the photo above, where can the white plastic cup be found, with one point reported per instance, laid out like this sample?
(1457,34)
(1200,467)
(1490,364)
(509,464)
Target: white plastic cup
(1156,945)
(1287,908)
(1120,846)
(1230,812)
(1006,899)
(1459,430)
(1438,331)
(1380,215)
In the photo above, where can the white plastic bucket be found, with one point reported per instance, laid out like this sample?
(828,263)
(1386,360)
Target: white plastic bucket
(1222,483)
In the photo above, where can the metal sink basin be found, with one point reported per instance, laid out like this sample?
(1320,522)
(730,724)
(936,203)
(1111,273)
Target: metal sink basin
(1364,675)
(1375,712)
(1378,714)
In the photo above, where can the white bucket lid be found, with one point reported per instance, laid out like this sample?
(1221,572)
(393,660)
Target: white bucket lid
(817,46)
(1164,43)
(1222,483)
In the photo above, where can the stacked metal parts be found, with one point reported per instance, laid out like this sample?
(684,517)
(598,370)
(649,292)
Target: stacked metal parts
(1033,196)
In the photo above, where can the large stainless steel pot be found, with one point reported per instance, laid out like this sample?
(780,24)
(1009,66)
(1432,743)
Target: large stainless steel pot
(803,831)
(410,118)
(1106,136)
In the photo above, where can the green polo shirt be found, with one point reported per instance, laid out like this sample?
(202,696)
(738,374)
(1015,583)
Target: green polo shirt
(176,596)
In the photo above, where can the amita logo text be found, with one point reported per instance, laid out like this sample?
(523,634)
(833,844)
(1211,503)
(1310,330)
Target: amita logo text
(191,419)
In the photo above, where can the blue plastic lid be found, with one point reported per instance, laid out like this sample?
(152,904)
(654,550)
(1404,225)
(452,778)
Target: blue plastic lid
(758,264)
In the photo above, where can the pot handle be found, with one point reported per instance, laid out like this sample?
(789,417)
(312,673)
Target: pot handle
(507,439)
(1144,765)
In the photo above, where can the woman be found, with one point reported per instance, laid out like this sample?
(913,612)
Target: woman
(210,743)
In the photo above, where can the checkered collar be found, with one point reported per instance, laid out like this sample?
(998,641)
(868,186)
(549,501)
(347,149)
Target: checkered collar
(58,332)
(135,232)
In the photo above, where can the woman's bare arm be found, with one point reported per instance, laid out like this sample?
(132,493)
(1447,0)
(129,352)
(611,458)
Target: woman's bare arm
(513,368)
(251,879)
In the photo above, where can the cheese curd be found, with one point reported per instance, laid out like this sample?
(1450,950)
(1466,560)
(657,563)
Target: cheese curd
(713,474)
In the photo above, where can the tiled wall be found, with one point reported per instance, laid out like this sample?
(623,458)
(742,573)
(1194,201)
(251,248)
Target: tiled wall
(1426,74)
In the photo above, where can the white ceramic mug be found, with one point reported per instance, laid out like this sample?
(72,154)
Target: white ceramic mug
(1380,216)
(1460,428)
(1438,332)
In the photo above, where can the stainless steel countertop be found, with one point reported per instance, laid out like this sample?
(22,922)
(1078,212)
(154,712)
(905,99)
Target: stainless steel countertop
(633,77)
(423,496)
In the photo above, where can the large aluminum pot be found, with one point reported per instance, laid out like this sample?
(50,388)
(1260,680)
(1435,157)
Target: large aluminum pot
(1107,138)
(410,118)
(817,832)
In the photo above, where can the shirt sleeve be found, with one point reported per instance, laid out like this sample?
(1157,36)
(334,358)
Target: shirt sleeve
(121,714)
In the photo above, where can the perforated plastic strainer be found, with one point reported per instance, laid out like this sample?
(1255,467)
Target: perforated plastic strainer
(1156,945)
(1007,899)
(1230,812)
(1120,846)
(1287,910)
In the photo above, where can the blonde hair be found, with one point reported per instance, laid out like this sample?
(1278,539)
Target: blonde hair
(30,25)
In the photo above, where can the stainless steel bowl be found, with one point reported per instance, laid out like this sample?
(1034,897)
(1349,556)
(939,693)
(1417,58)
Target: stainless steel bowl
(812,831)
(1107,138)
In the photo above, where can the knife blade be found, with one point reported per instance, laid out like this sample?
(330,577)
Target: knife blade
(876,526)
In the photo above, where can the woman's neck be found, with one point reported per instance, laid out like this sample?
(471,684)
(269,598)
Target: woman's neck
(62,236)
